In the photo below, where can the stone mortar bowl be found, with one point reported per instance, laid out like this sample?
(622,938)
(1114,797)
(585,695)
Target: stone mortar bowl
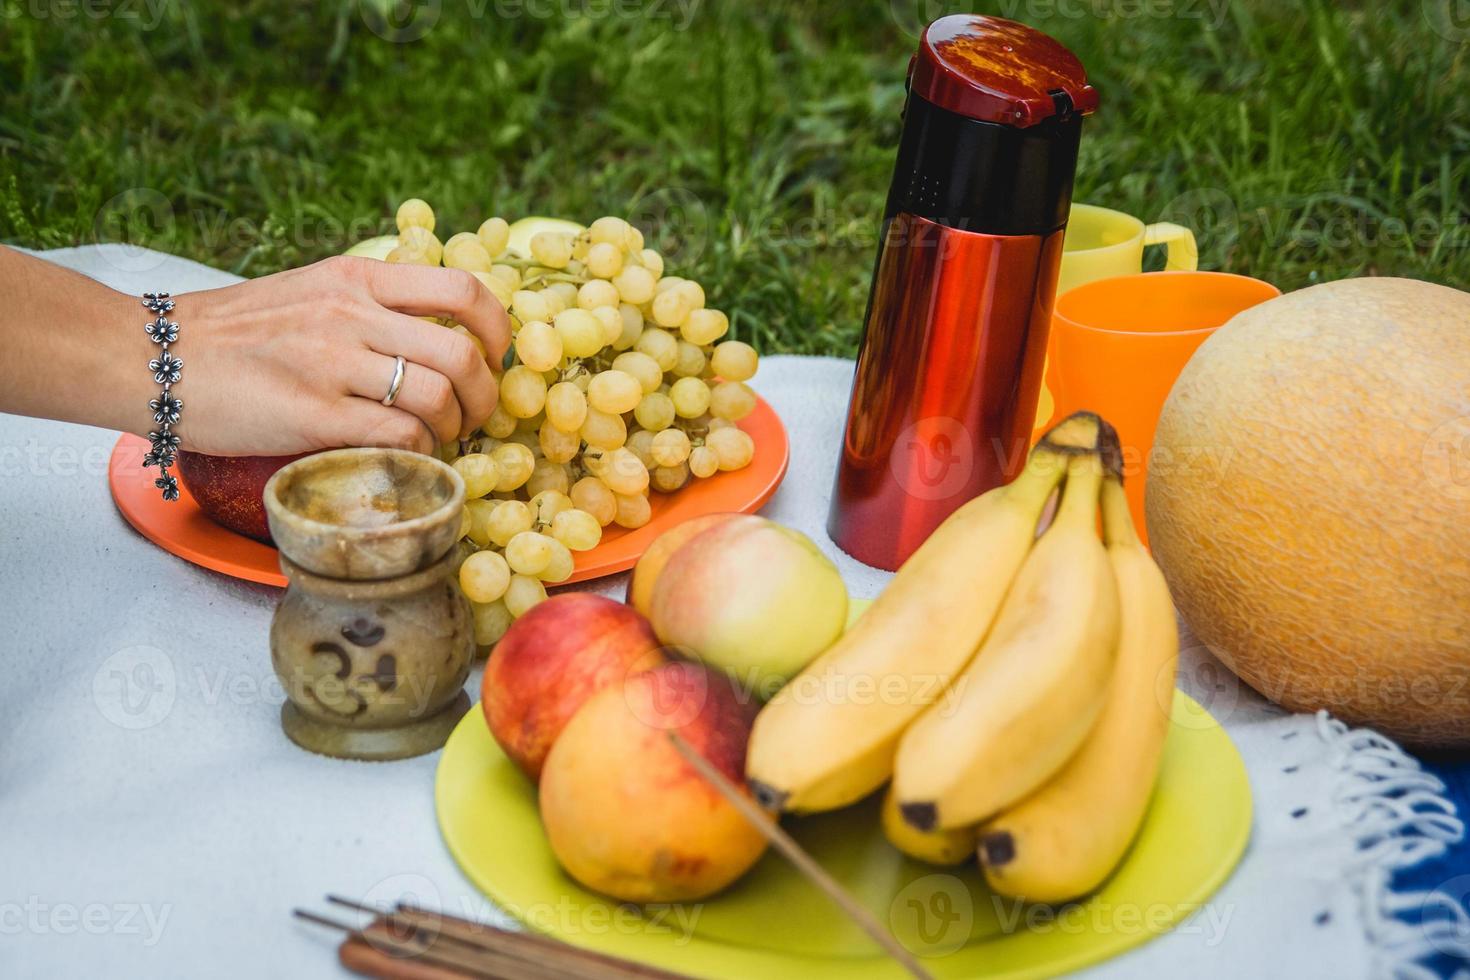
(374,639)
(365,514)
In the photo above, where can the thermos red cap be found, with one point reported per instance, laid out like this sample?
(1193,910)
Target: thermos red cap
(997,70)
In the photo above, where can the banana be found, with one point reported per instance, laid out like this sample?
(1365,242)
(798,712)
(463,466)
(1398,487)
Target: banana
(1064,839)
(827,738)
(945,848)
(1033,692)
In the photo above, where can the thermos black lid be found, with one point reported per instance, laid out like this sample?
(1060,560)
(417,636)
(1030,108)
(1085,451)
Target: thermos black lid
(998,71)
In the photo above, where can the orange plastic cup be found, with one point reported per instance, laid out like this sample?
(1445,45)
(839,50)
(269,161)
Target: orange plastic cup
(1118,345)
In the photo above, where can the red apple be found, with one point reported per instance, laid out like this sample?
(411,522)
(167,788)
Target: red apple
(231,489)
(625,814)
(554,658)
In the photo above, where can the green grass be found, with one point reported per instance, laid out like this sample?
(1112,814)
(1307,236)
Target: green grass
(1305,141)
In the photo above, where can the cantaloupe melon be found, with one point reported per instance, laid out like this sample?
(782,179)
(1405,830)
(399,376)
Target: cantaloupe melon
(1309,502)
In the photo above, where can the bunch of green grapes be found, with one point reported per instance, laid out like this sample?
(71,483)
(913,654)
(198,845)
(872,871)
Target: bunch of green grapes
(618,384)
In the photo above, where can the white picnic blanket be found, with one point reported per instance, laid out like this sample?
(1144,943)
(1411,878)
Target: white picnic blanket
(154,821)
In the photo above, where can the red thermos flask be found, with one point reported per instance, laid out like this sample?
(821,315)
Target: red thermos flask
(949,370)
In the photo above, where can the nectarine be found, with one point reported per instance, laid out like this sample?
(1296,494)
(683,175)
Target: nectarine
(625,814)
(758,600)
(657,555)
(551,660)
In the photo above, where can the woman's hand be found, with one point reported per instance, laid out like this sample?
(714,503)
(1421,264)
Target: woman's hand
(301,360)
(289,363)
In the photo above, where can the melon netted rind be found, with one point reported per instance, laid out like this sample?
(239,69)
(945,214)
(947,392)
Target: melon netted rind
(1309,503)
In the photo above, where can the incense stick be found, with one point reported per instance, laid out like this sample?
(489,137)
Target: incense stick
(803,861)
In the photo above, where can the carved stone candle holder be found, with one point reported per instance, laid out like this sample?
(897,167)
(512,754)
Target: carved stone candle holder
(373,639)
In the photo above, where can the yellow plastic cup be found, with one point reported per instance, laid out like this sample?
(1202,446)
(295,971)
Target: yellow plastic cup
(1118,345)
(1101,243)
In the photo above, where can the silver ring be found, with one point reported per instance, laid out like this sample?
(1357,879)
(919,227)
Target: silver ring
(396,383)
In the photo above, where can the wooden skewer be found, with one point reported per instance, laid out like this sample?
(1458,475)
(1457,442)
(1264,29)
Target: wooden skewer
(525,947)
(803,861)
(398,950)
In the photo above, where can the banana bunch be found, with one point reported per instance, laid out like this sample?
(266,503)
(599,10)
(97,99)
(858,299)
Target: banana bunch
(1014,689)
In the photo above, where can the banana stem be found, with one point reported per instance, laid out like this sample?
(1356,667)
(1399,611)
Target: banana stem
(1079,495)
(1117,519)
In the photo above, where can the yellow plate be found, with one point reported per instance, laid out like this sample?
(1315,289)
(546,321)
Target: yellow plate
(773,924)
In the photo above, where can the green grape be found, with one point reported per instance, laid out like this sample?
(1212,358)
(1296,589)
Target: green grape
(654,411)
(602,430)
(547,504)
(494,234)
(667,479)
(509,518)
(691,361)
(497,287)
(652,261)
(667,283)
(479,473)
(604,260)
(715,424)
(580,245)
(548,476)
(704,327)
(566,406)
(492,620)
(500,423)
(734,448)
(614,392)
(561,566)
(417,238)
(479,511)
(703,462)
(523,594)
(580,331)
(579,530)
(690,396)
(523,391)
(552,249)
(567,292)
(731,400)
(612,323)
(641,366)
(633,510)
(734,361)
(555,302)
(462,252)
(597,292)
(414,213)
(515,463)
(538,345)
(528,306)
(403,255)
(623,471)
(610,230)
(484,576)
(669,448)
(635,284)
(632,327)
(591,496)
(661,346)
(527,553)
(507,274)
(671,308)
(634,244)
(641,443)
(693,292)
(466,521)
(558,445)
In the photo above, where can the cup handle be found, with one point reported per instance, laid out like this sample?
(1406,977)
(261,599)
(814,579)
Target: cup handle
(1183,252)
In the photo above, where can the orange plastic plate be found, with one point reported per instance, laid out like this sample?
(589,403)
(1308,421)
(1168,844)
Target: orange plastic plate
(182,529)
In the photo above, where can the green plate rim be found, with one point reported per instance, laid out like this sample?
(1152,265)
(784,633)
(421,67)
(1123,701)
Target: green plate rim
(700,957)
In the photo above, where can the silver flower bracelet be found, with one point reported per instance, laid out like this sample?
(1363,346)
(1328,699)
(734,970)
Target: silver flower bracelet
(167,369)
